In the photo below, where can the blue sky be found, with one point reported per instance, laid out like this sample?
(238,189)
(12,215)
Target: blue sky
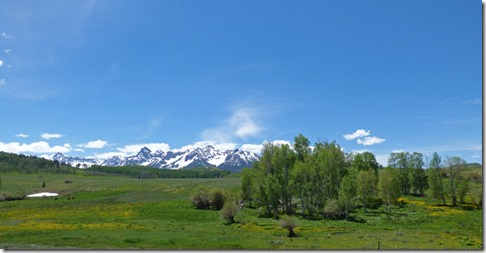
(96,78)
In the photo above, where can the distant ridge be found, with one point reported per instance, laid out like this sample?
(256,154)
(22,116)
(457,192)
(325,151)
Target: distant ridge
(231,160)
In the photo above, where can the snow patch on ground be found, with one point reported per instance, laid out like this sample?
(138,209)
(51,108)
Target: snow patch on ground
(42,194)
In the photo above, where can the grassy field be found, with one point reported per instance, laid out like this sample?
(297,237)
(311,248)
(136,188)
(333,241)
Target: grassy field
(104,212)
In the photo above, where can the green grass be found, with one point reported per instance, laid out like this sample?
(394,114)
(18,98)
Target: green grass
(106,212)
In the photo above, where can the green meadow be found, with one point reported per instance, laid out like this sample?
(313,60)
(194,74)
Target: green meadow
(113,212)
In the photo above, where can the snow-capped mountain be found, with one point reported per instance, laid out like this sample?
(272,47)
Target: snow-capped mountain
(81,162)
(232,160)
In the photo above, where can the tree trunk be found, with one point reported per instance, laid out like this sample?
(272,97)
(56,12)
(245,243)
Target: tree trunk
(291,232)
(347,211)
(453,193)
(442,188)
(302,205)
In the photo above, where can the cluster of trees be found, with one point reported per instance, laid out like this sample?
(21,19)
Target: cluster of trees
(31,164)
(143,172)
(316,179)
(215,199)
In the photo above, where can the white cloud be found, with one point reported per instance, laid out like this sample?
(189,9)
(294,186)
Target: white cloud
(474,101)
(6,36)
(109,154)
(2,82)
(94,144)
(281,142)
(241,124)
(220,134)
(7,51)
(202,144)
(359,151)
(255,148)
(225,146)
(35,147)
(22,135)
(368,141)
(50,136)
(357,134)
(1,63)
(133,149)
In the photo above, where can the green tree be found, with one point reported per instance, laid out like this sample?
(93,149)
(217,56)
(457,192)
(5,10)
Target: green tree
(330,164)
(463,189)
(247,185)
(415,160)
(301,147)
(418,181)
(435,178)
(301,175)
(273,192)
(273,173)
(417,176)
(389,187)
(454,167)
(400,162)
(366,183)
(300,182)
(347,193)
(284,159)
(365,161)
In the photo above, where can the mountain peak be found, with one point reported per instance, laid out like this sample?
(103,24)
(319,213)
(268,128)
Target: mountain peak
(145,150)
(58,156)
(233,160)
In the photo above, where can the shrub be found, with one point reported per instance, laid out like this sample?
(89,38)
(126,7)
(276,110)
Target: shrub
(217,199)
(7,196)
(200,198)
(229,211)
(333,210)
(289,223)
(463,190)
(478,198)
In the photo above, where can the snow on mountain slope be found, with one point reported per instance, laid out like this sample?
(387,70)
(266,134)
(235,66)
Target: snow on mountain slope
(80,162)
(233,160)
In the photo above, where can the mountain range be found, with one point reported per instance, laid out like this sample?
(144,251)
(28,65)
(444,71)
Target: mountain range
(232,160)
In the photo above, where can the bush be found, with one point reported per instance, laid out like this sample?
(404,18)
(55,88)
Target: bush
(333,210)
(217,199)
(200,198)
(7,196)
(289,223)
(229,211)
